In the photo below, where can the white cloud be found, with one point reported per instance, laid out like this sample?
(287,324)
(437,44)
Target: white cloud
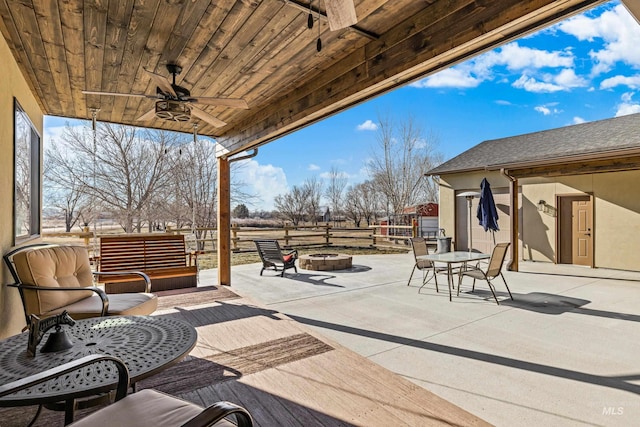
(632,82)
(625,109)
(532,85)
(367,125)
(53,133)
(313,167)
(511,56)
(516,57)
(544,110)
(565,80)
(503,102)
(627,106)
(548,108)
(452,77)
(265,181)
(577,120)
(627,96)
(618,31)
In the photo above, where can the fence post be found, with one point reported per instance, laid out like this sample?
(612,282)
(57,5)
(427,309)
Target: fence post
(85,230)
(373,235)
(286,234)
(234,236)
(414,229)
(327,236)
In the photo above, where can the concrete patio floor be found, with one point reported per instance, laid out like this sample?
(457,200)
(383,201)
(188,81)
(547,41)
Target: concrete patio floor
(564,352)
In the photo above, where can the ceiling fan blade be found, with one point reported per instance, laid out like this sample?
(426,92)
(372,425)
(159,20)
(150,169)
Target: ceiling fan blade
(222,102)
(162,83)
(151,114)
(340,14)
(203,115)
(90,92)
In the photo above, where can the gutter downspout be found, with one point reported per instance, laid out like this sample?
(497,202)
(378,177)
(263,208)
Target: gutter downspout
(248,156)
(513,216)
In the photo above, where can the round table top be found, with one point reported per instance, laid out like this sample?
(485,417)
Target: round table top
(147,344)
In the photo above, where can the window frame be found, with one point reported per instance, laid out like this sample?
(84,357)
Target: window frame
(33,175)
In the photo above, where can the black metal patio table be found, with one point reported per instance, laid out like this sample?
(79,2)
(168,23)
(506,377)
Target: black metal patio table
(147,345)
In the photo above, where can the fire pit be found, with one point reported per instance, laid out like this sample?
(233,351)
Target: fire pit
(325,262)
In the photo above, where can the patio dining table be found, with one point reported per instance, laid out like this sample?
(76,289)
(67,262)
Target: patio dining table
(454,257)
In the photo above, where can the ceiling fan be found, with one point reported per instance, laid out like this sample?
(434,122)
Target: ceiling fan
(175,102)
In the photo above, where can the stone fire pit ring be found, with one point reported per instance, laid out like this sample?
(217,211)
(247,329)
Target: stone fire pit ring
(325,262)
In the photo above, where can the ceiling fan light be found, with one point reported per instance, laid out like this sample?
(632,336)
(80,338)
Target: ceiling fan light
(173,110)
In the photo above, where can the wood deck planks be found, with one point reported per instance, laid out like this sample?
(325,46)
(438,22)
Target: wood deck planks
(335,387)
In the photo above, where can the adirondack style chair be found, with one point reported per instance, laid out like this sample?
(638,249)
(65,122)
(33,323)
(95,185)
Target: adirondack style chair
(272,256)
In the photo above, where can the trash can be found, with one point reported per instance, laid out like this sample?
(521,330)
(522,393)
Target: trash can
(444,244)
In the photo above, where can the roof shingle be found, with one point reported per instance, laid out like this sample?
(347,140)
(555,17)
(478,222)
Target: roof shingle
(598,137)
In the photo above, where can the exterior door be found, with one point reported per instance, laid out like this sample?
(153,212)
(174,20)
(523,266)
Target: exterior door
(576,230)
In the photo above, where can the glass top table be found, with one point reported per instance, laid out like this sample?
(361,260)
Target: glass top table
(451,258)
(146,344)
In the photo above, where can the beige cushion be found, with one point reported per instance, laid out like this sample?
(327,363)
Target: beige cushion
(144,408)
(55,266)
(119,305)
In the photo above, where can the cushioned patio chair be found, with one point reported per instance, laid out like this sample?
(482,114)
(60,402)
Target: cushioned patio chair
(272,256)
(54,278)
(493,270)
(419,246)
(144,408)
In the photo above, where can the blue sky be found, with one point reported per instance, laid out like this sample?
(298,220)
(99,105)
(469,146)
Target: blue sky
(583,69)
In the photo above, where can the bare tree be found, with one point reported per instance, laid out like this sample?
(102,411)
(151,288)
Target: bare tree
(399,162)
(292,205)
(351,206)
(312,189)
(121,172)
(337,181)
(362,202)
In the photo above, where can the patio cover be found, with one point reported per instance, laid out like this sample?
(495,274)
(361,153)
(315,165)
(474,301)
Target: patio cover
(260,51)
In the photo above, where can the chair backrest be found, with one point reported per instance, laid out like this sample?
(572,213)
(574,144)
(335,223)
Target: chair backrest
(52,266)
(497,259)
(419,246)
(269,250)
(8,257)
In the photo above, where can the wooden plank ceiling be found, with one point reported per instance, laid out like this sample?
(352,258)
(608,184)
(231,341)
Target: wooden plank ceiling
(257,50)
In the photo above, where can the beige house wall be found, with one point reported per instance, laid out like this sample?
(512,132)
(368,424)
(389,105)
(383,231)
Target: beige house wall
(616,213)
(12,84)
(450,184)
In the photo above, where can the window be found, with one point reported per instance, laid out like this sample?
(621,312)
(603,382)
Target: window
(26,176)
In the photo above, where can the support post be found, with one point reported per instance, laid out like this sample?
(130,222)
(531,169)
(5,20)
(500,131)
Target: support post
(514,208)
(515,224)
(224,222)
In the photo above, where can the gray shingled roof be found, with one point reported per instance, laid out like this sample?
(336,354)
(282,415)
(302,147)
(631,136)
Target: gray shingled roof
(619,133)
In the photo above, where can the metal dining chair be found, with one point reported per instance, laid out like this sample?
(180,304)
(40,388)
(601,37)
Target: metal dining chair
(493,270)
(419,246)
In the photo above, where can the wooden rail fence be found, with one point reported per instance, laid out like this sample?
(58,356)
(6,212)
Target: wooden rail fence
(290,236)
